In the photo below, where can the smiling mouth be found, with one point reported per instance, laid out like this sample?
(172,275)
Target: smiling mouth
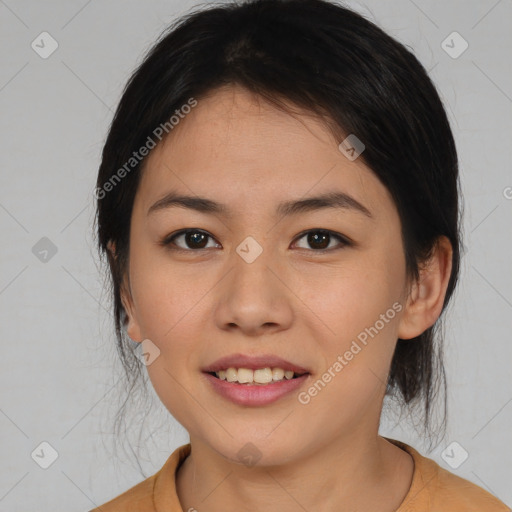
(259,377)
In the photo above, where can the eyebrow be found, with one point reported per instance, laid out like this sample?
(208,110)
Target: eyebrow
(204,205)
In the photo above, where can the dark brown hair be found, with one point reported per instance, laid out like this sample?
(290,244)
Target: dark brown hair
(331,61)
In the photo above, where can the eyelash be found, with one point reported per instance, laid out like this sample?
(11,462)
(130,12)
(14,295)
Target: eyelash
(168,241)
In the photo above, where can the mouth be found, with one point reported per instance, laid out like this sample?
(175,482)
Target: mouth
(256,377)
(255,381)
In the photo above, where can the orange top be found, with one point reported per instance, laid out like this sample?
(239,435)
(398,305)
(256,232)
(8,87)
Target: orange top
(433,489)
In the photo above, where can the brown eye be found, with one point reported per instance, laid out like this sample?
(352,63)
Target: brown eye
(317,240)
(191,238)
(320,240)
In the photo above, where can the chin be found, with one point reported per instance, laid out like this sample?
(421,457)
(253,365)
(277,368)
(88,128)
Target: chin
(257,451)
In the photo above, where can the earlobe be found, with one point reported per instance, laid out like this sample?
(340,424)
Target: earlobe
(132,327)
(132,330)
(111,246)
(426,298)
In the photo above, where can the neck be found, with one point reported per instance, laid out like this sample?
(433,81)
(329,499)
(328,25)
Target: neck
(355,473)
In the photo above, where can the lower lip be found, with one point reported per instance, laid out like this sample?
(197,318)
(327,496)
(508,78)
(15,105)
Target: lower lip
(255,395)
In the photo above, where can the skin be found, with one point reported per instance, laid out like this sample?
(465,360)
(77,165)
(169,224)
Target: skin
(295,301)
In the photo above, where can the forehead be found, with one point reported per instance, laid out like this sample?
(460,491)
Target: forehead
(236,147)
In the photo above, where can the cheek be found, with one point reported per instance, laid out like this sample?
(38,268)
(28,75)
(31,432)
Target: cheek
(351,296)
(167,295)
(170,312)
(359,307)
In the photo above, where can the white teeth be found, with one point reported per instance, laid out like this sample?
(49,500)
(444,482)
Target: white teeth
(231,375)
(263,376)
(245,376)
(278,374)
(260,376)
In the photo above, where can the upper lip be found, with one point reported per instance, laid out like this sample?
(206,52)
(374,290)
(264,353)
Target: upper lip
(253,363)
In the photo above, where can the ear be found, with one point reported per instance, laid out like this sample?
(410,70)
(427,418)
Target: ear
(111,246)
(425,301)
(132,328)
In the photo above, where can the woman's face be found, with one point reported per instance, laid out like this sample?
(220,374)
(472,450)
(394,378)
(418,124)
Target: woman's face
(259,285)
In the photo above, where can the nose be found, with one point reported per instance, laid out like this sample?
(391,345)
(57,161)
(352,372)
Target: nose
(254,297)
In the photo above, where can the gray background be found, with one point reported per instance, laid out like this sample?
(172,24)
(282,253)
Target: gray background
(58,377)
